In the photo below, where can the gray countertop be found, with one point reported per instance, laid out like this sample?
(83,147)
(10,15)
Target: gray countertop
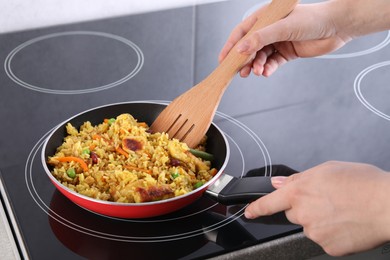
(8,247)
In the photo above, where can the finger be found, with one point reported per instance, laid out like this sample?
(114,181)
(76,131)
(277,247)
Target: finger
(236,35)
(279,58)
(261,59)
(278,181)
(275,61)
(225,50)
(277,201)
(246,70)
(272,203)
(279,31)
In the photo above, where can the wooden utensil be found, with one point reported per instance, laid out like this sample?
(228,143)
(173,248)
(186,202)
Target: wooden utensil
(188,116)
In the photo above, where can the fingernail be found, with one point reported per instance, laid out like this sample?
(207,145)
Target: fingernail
(244,46)
(258,70)
(248,215)
(278,181)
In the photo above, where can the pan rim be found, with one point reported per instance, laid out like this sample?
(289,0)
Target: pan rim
(112,203)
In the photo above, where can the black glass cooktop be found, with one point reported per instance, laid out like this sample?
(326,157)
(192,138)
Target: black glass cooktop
(313,110)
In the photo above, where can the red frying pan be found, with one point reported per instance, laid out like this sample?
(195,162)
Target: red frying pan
(222,187)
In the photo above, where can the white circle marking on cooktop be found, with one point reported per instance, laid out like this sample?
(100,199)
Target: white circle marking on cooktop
(16,79)
(375,48)
(358,90)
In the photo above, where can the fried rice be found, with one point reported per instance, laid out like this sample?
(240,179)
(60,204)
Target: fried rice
(120,160)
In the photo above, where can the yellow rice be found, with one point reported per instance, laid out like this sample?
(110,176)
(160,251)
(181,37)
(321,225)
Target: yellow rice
(126,162)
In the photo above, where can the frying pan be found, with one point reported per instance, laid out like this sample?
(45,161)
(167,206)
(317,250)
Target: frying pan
(222,189)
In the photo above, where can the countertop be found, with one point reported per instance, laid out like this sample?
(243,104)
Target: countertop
(8,246)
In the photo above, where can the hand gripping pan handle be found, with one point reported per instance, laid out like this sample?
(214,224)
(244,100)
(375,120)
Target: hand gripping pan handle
(230,190)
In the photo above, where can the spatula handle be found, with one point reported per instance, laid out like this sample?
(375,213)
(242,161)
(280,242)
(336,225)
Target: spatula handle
(234,61)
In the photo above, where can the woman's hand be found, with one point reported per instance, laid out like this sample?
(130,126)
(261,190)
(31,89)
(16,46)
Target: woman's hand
(310,30)
(307,32)
(343,207)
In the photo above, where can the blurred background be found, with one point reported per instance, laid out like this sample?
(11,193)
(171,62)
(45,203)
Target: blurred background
(21,15)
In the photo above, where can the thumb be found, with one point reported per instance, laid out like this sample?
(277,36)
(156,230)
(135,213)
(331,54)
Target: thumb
(270,34)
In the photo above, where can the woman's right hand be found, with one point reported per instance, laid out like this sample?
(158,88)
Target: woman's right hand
(342,206)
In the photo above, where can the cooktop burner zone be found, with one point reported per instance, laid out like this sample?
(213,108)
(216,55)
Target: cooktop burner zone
(115,60)
(33,169)
(370,94)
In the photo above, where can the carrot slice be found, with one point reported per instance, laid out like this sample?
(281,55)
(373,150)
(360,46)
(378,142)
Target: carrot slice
(92,147)
(96,137)
(118,149)
(83,165)
(213,172)
(122,131)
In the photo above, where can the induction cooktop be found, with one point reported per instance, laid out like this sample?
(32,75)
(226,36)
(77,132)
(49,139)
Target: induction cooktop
(310,111)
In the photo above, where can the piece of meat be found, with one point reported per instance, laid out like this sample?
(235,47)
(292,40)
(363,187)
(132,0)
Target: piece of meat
(153,193)
(131,144)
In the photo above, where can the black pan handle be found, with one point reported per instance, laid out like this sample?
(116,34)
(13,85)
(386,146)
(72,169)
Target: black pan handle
(230,190)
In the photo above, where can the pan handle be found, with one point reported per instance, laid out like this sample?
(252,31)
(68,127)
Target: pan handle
(230,190)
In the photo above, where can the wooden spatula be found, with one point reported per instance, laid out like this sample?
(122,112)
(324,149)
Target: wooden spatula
(189,116)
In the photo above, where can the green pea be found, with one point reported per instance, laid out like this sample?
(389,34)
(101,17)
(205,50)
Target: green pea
(86,151)
(111,121)
(71,173)
(175,175)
